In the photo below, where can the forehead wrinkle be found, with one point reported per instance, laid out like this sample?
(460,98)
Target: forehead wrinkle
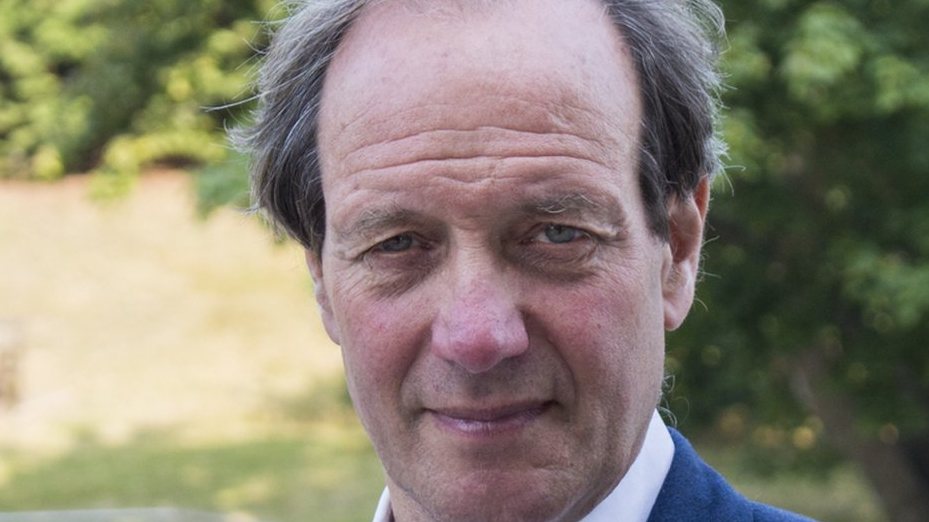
(455,163)
(552,115)
(490,142)
(437,133)
(377,123)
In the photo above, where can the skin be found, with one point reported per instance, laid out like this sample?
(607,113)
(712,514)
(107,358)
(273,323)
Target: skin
(487,268)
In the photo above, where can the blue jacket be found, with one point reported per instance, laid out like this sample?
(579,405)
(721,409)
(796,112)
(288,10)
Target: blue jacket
(694,492)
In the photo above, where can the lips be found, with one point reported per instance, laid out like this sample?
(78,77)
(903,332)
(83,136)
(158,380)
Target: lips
(486,422)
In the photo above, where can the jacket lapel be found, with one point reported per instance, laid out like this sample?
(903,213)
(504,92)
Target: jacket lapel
(694,492)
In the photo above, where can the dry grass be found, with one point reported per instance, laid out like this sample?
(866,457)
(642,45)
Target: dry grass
(138,316)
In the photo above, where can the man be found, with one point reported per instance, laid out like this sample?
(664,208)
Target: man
(502,204)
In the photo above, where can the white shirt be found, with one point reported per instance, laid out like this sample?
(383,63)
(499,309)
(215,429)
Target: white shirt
(635,495)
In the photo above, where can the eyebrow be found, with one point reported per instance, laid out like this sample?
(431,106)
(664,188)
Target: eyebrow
(576,204)
(561,204)
(374,220)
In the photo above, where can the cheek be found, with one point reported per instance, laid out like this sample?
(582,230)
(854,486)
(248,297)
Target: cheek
(611,337)
(622,309)
(381,338)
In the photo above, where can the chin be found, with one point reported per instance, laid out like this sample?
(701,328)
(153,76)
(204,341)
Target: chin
(500,496)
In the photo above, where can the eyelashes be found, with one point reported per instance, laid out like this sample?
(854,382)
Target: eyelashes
(395,244)
(558,234)
(544,246)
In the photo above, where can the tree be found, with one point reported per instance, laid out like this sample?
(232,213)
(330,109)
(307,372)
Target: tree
(816,300)
(113,85)
(815,320)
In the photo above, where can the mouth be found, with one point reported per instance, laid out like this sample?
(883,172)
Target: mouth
(489,422)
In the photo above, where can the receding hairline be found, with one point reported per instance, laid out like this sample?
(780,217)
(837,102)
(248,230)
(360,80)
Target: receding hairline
(675,43)
(590,79)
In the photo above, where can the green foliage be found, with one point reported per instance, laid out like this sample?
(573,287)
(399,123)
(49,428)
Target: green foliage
(819,256)
(119,84)
(222,184)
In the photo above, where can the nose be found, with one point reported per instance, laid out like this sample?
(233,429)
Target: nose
(479,323)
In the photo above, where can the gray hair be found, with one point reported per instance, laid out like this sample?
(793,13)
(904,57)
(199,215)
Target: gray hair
(673,44)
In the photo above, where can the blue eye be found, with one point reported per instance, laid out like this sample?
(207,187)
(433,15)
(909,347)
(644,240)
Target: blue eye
(561,233)
(396,244)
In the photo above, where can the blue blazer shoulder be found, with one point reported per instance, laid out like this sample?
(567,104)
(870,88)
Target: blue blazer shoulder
(695,492)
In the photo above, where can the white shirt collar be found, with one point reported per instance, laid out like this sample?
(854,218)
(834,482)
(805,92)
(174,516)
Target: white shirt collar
(383,513)
(635,495)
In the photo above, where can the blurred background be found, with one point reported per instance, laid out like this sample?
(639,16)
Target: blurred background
(158,347)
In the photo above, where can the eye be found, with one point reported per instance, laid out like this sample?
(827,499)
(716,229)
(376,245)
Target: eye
(399,243)
(559,234)
(399,262)
(558,251)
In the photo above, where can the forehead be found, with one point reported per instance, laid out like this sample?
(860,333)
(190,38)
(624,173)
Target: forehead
(529,65)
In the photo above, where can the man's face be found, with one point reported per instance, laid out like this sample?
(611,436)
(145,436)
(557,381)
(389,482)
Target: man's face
(487,268)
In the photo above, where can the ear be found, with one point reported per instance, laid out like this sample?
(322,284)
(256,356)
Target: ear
(686,219)
(315,264)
